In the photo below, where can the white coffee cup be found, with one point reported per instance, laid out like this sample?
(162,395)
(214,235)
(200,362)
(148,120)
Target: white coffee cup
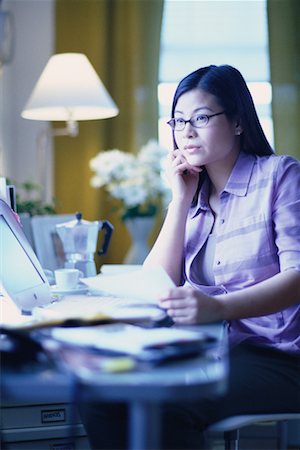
(67,279)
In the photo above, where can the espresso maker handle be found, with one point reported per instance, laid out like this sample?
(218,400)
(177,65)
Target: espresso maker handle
(108,229)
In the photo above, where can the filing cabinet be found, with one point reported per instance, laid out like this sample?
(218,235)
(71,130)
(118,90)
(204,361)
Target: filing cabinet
(41,426)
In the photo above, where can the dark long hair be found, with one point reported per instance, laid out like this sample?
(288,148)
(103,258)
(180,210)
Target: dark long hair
(229,87)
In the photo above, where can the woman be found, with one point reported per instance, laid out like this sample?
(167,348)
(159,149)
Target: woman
(232,230)
(231,243)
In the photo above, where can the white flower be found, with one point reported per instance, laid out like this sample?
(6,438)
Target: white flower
(135,180)
(112,164)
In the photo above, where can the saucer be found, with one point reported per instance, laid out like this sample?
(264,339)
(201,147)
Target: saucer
(79,289)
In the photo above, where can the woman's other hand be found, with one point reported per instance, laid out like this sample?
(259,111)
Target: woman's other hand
(186,305)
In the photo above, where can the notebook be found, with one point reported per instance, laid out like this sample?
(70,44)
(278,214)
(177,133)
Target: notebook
(23,281)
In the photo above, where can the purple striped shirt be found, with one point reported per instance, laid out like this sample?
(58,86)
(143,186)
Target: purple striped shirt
(258,236)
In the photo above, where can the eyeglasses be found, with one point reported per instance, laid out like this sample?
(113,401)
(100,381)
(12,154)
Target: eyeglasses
(197,121)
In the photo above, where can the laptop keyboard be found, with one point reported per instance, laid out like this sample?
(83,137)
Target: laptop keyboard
(95,301)
(90,305)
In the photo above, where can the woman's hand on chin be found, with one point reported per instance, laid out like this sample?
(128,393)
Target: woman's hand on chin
(183,177)
(179,164)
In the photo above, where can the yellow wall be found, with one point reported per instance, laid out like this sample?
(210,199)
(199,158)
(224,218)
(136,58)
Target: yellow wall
(121,38)
(284,42)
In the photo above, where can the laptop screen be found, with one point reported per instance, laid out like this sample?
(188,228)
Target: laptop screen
(16,262)
(22,277)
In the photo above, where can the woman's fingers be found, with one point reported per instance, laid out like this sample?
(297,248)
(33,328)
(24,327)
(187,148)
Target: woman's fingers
(178,299)
(177,161)
(180,164)
(178,304)
(183,304)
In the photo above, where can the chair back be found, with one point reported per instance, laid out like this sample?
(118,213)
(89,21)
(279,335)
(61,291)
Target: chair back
(47,244)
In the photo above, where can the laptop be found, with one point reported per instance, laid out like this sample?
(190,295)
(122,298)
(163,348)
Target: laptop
(21,276)
(24,282)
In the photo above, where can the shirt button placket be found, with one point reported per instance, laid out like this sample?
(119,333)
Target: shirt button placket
(218,262)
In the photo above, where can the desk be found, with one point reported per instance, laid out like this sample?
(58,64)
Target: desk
(186,380)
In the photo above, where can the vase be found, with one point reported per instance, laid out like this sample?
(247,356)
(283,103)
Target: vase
(139,229)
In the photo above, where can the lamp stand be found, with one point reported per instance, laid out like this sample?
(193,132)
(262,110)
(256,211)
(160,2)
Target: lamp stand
(43,145)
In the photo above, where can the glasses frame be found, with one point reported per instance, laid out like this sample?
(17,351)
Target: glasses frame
(172,122)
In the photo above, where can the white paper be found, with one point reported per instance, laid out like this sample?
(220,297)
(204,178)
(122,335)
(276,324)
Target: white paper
(124,338)
(117,269)
(10,315)
(146,284)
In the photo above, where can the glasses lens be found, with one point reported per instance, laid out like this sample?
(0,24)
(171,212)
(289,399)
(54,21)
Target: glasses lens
(200,120)
(179,124)
(171,122)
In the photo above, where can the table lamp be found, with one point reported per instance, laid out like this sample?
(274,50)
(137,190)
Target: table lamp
(70,90)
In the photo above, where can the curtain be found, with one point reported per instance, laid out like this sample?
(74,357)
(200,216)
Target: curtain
(284,44)
(121,38)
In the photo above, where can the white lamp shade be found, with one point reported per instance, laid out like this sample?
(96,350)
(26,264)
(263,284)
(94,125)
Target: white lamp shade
(69,89)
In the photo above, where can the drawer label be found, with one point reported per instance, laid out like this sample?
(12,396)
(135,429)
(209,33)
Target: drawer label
(66,446)
(53,415)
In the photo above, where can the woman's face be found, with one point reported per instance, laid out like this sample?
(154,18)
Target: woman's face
(216,142)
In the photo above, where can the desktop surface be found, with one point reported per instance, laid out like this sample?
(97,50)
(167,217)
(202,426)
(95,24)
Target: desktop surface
(143,388)
(176,378)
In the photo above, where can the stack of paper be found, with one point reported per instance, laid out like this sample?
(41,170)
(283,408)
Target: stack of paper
(133,340)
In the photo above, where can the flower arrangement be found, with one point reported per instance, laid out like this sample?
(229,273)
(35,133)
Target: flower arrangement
(134,180)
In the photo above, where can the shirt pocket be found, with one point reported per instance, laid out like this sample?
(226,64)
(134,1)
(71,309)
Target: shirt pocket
(248,238)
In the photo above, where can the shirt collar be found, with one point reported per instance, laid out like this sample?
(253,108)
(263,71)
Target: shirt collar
(239,179)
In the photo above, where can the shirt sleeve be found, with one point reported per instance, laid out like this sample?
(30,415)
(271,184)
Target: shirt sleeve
(286,212)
